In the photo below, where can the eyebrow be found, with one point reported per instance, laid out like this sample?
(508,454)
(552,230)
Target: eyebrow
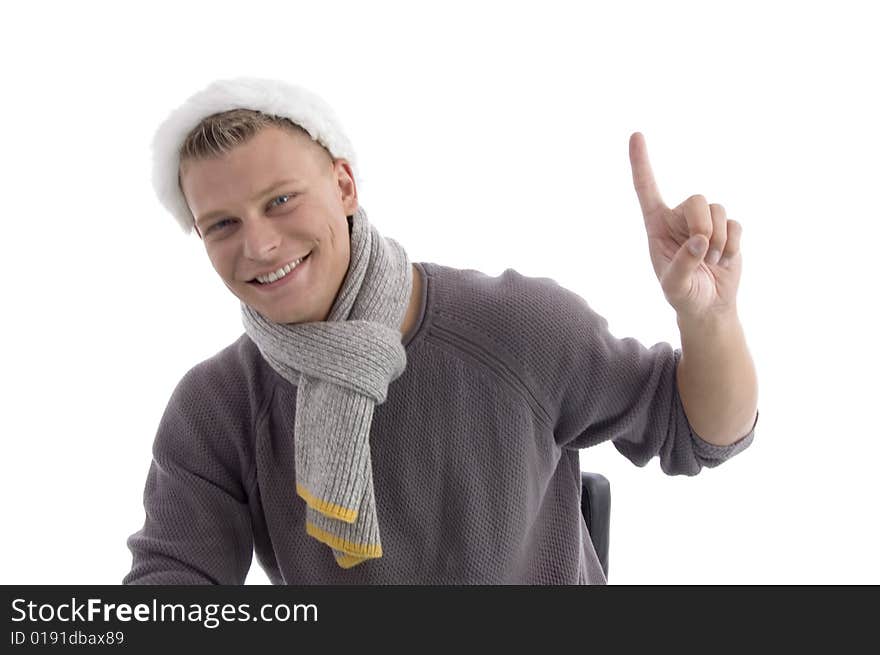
(267,190)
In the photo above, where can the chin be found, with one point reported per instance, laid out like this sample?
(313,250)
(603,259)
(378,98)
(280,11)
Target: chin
(284,319)
(278,316)
(273,315)
(271,312)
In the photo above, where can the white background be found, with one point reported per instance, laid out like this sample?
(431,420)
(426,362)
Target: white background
(488,135)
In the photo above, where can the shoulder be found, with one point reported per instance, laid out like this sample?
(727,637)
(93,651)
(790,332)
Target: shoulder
(228,367)
(513,307)
(231,385)
(530,327)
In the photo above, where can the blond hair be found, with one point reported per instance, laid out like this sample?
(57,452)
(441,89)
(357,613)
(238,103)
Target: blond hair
(219,133)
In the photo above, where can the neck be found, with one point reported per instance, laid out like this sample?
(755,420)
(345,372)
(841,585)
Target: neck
(413,309)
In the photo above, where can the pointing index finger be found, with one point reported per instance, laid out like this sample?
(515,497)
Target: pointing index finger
(643,177)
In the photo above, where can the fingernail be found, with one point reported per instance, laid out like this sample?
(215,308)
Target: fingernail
(695,245)
(714,256)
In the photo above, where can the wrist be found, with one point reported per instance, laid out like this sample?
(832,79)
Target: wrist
(708,322)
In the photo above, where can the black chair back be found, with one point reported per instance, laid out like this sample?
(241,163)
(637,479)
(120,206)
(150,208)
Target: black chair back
(596,508)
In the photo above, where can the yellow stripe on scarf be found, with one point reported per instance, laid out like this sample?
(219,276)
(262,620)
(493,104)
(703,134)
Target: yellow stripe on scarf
(348,561)
(326,508)
(349,548)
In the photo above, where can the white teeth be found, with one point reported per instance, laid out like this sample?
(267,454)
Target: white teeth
(280,273)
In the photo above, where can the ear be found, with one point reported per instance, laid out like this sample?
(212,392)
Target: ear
(345,181)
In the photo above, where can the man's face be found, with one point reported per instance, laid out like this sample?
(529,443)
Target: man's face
(249,229)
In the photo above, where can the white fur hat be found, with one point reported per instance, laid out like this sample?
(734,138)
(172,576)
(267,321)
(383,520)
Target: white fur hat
(268,96)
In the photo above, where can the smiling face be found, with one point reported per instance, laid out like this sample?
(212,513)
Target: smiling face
(268,202)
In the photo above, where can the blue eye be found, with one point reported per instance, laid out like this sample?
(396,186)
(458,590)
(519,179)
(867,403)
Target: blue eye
(229,220)
(218,223)
(287,195)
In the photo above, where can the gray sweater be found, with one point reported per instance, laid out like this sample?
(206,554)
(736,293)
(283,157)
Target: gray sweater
(474,452)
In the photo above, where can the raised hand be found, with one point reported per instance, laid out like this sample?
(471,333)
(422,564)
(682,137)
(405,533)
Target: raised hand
(695,284)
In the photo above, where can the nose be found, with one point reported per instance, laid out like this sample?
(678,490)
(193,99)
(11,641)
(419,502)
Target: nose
(261,239)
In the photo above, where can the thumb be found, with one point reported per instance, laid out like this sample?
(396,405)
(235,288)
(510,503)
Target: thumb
(676,282)
(696,246)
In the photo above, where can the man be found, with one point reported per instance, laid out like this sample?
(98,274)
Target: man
(388,422)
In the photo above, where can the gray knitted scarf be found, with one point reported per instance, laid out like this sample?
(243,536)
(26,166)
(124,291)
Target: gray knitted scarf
(342,368)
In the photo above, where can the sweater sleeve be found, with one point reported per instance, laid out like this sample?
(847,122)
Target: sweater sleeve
(197,528)
(620,391)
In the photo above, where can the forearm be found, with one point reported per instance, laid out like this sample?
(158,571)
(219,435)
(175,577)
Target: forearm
(716,379)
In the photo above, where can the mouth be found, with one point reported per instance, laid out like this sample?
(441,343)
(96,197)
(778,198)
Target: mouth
(294,274)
